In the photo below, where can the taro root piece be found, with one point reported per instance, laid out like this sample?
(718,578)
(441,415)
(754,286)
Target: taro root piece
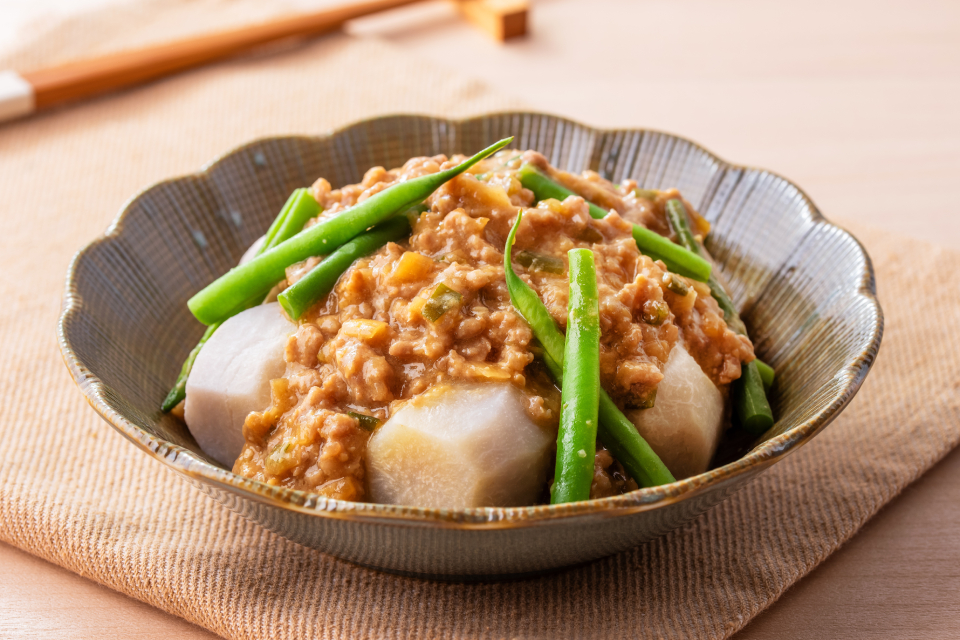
(460,446)
(231,377)
(684,424)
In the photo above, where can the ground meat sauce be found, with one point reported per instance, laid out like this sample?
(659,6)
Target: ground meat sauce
(371,343)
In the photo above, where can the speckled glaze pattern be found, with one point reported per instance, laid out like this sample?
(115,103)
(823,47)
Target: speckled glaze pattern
(805,288)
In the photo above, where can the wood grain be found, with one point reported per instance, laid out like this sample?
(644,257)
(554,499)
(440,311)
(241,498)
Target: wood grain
(898,578)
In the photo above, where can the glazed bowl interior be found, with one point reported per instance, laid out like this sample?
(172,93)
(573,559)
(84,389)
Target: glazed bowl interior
(805,288)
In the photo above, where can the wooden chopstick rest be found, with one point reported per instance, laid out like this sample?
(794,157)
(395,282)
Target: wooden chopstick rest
(500,19)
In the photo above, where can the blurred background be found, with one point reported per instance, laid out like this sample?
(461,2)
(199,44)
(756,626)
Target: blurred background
(783,85)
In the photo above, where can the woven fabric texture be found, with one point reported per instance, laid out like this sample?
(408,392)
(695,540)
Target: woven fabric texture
(74,492)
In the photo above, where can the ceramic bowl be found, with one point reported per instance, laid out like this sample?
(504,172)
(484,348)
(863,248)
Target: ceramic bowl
(805,287)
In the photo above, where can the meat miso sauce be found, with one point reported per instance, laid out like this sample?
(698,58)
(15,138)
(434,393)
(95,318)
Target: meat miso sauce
(393,361)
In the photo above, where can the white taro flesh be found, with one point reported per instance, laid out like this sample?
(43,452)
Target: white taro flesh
(231,377)
(249,255)
(252,250)
(460,446)
(684,425)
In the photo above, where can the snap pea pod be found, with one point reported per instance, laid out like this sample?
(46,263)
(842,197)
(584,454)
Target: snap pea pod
(678,259)
(615,430)
(580,389)
(300,296)
(749,397)
(298,208)
(224,296)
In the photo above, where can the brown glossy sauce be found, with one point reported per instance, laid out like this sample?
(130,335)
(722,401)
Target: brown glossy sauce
(371,343)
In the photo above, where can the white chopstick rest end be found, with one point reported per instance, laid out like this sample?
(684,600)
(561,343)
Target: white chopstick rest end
(16,96)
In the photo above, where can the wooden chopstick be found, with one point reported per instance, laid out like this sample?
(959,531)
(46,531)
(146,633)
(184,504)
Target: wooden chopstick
(24,93)
(84,78)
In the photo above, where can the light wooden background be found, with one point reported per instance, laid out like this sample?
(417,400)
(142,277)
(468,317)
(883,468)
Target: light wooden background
(856,101)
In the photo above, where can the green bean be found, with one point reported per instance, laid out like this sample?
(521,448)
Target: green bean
(177,394)
(316,284)
(620,436)
(767,374)
(302,208)
(615,430)
(224,296)
(679,223)
(298,208)
(528,303)
(677,259)
(580,389)
(749,398)
(271,234)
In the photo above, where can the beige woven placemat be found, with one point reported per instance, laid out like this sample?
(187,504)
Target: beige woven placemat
(74,492)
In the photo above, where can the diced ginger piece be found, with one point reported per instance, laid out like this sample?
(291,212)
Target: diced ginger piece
(487,371)
(345,488)
(411,267)
(460,446)
(231,377)
(683,426)
(371,331)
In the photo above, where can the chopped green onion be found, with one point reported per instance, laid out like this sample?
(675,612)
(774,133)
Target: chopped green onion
(646,194)
(591,235)
(673,282)
(541,262)
(654,312)
(367,423)
(442,300)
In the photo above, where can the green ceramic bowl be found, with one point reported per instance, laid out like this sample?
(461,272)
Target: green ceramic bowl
(805,287)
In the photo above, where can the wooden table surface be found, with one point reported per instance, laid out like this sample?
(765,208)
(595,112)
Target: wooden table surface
(857,101)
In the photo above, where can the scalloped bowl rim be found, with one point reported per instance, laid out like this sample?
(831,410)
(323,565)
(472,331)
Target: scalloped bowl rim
(186,462)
